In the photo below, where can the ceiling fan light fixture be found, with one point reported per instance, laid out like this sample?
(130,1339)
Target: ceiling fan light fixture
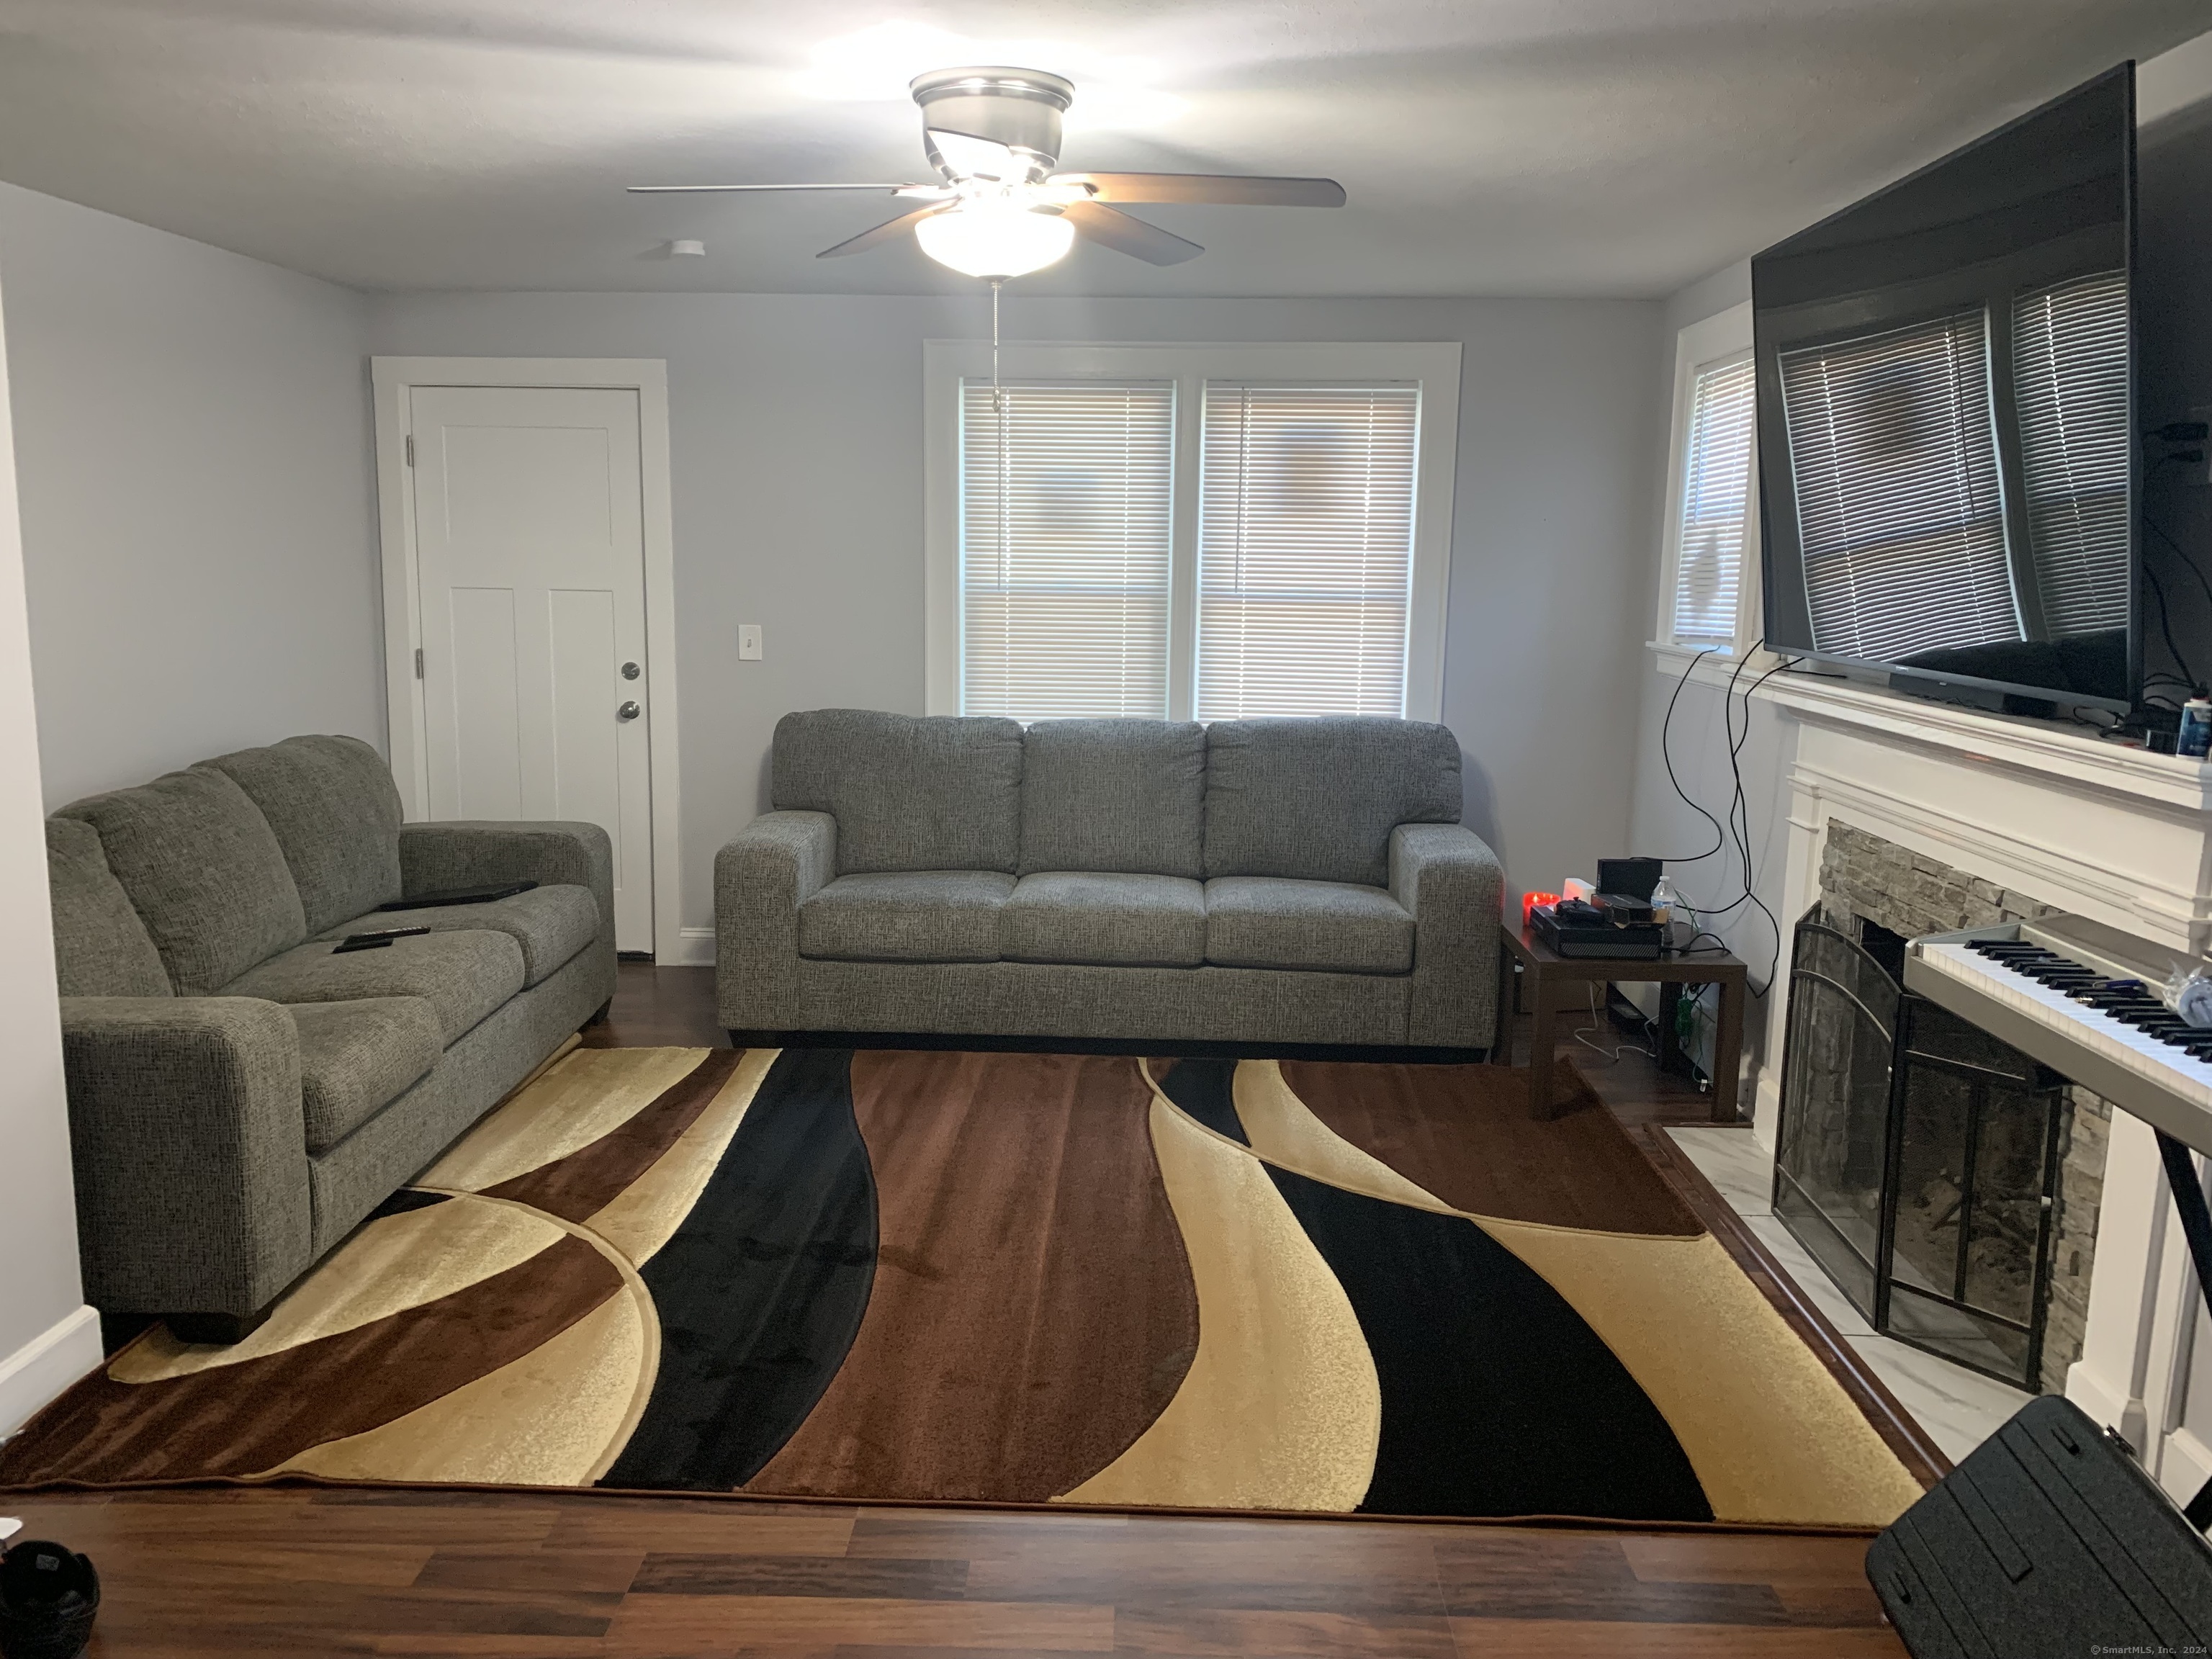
(994,238)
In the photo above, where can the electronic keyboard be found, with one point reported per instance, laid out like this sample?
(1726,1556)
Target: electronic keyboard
(2082,998)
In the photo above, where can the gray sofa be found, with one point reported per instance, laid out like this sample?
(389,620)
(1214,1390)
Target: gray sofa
(239,1098)
(1279,882)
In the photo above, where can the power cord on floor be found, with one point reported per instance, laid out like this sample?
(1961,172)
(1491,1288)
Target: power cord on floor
(1597,1020)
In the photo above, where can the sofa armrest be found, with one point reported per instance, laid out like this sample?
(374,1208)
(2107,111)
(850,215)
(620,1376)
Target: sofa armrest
(1449,878)
(761,879)
(471,854)
(190,1149)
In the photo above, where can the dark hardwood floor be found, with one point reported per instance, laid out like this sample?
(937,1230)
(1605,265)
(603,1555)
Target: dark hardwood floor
(657,1007)
(195,1573)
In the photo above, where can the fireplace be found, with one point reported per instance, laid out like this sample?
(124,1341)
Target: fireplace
(1924,819)
(1949,1186)
(1917,1157)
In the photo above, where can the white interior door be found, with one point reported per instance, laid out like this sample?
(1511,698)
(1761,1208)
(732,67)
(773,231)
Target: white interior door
(530,571)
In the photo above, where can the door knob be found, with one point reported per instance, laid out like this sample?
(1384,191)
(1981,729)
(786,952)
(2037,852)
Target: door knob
(631,670)
(628,711)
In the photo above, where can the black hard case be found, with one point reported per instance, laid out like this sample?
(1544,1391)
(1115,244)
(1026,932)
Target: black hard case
(2048,1540)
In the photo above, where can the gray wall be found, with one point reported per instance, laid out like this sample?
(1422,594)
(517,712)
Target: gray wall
(796,432)
(191,430)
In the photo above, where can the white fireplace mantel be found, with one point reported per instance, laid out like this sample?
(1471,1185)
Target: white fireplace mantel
(2059,817)
(2120,834)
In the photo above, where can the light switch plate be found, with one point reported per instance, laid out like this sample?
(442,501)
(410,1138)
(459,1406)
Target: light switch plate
(749,642)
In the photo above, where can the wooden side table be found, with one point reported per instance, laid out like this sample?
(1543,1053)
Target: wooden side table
(1554,983)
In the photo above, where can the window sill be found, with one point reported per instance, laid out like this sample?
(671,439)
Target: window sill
(1713,667)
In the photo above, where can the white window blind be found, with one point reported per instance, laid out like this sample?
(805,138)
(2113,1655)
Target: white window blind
(1305,549)
(1899,510)
(1716,506)
(1065,525)
(2071,384)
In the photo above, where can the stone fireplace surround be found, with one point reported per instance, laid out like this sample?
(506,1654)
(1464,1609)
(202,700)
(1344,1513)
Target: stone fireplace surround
(1863,877)
(2028,814)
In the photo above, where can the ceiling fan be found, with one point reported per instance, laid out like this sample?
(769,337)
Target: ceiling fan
(1001,211)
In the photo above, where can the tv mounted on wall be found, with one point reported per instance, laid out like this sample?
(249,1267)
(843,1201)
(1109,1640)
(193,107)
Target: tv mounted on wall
(1947,470)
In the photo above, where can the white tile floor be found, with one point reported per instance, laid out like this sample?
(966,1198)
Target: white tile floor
(1959,1408)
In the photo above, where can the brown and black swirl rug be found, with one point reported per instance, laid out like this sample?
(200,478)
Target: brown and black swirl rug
(1019,1278)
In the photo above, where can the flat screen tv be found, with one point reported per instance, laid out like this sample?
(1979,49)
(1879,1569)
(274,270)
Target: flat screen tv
(1948,471)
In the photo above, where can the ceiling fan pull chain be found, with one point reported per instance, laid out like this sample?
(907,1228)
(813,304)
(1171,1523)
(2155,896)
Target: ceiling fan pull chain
(998,397)
(1005,444)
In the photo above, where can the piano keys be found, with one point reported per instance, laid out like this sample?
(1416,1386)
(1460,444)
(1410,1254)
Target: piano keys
(2084,1000)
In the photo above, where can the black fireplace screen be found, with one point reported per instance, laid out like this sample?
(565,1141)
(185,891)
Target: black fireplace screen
(1833,1140)
(1917,1160)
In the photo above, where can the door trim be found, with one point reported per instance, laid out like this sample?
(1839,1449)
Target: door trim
(391,380)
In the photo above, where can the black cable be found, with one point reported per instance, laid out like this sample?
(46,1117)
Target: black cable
(1666,727)
(1739,810)
(2165,625)
(2187,563)
(1742,808)
(2165,621)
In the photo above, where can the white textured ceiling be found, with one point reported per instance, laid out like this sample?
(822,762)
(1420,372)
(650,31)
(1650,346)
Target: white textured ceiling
(1490,147)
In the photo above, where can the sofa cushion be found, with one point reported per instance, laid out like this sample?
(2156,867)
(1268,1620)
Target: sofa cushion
(334,810)
(1125,796)
(202,869)
(100,947)
(550,924)
(356,1057)
(1316,798)
(1115,919)
(462,975)
(1268,921)
(909,792)
(915,915)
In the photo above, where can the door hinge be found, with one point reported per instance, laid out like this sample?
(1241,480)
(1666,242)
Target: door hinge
(410,449)
(418,662)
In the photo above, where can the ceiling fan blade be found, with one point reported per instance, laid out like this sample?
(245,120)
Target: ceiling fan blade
(888,231)
(684,190)
(972,157)
(1132,236)
(1210,189)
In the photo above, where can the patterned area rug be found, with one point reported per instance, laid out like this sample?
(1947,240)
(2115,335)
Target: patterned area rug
(1019,1278)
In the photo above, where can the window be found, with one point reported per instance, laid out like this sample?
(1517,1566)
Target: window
(1305,549)
(1716,510)
(1204,532)
(1711,519)
(1894,452)
(1065,537)
(2070,347)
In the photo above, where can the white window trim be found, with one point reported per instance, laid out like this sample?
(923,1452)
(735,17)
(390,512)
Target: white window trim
(945,363)
(1722,339)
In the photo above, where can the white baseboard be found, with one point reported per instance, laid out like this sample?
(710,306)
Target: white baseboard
(47,1365)
(2105,1404)
(2184,1466)
(1765,1091)
(694,948)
